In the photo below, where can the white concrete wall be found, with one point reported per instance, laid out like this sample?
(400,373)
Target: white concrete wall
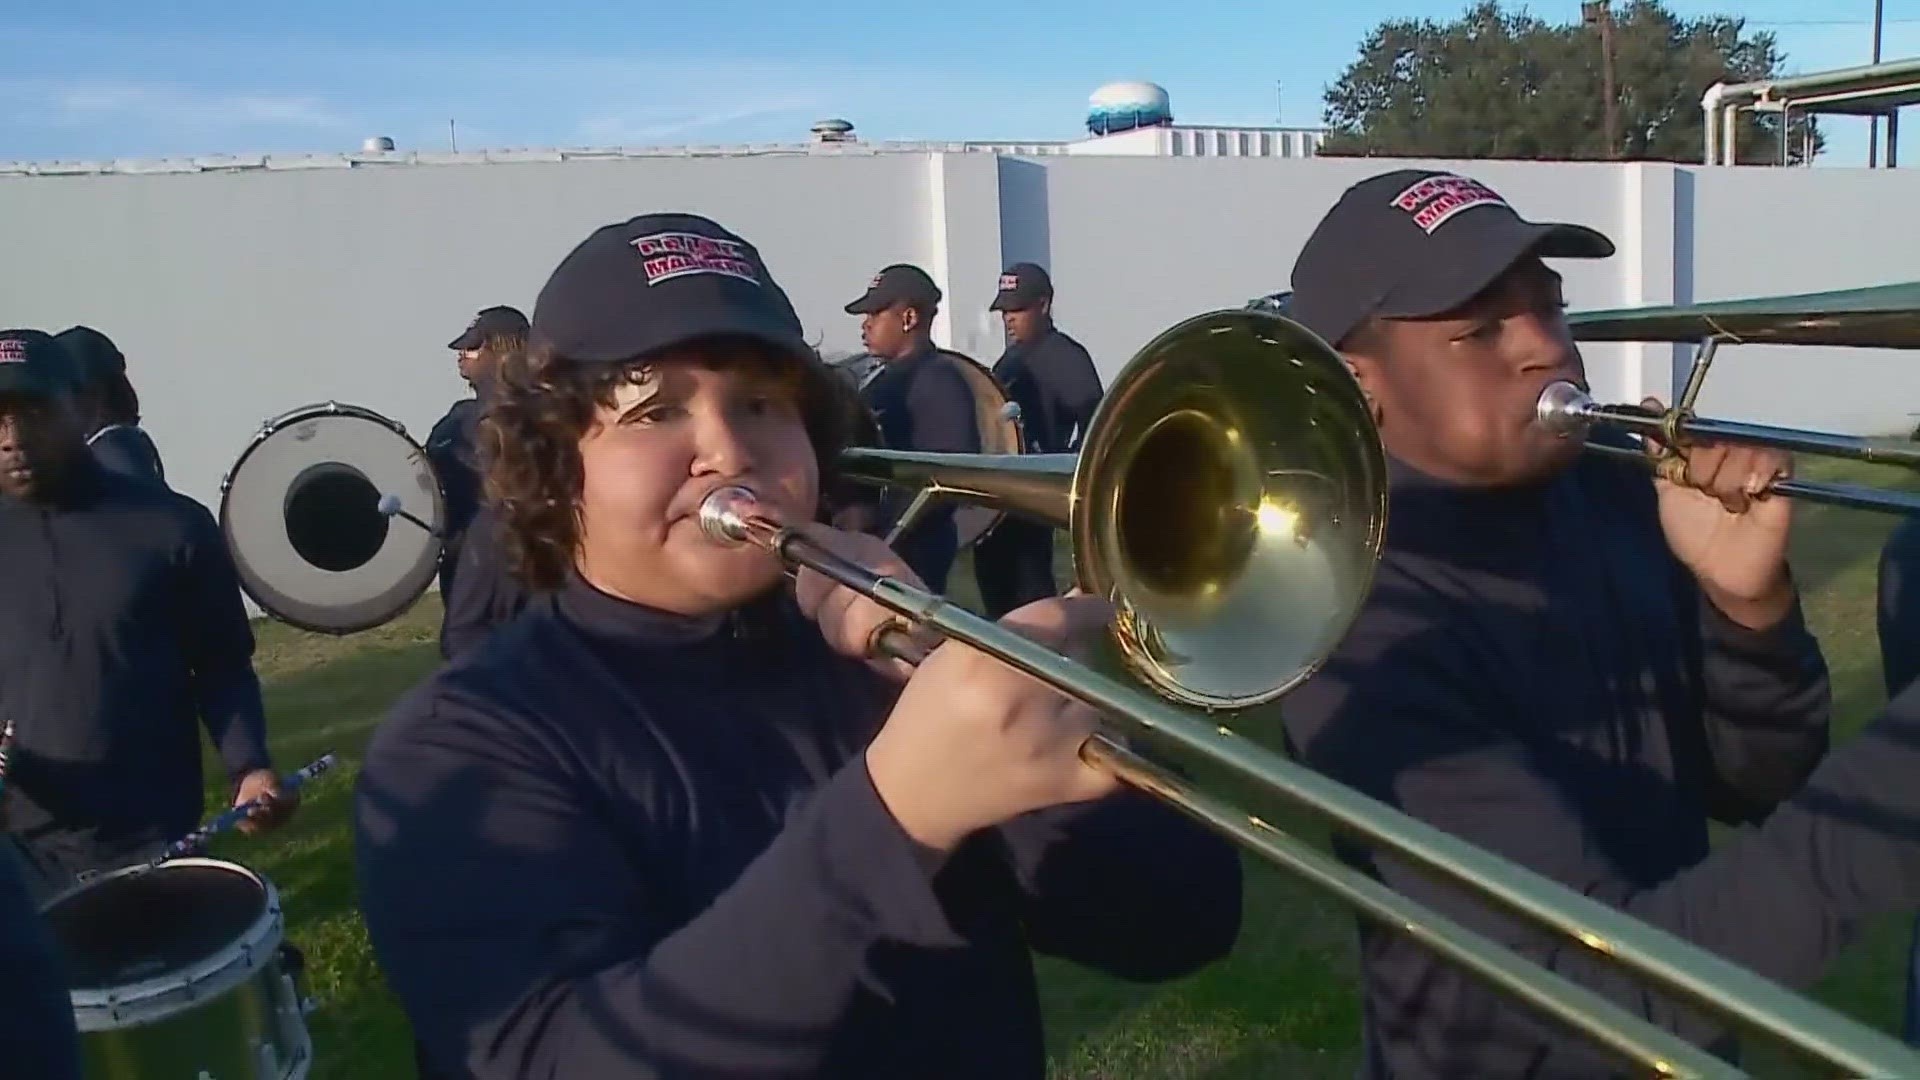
(239,296)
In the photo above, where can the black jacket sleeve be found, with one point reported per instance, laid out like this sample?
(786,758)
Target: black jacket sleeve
(578,965)
(37,1036)
(1074,384)
(219,647)
(1766,705)
(484,593)
(1780,900)
(1899,607)
(1127,886)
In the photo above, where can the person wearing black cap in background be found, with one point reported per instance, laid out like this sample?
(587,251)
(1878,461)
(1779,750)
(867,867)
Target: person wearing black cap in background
(122,629)
(673,820)
(921,401)
(1054,382)
(1569,663)
(476,590)
(109,407)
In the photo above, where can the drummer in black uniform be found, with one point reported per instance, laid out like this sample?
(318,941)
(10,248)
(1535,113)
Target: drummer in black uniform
(921,401)
(122,632)
(451,445)
(1054,382)
(109,407)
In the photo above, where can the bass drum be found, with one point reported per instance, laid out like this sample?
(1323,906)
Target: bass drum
(335,519)
(998,418)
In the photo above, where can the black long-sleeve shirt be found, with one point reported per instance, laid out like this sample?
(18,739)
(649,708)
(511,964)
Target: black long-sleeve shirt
(121,631)
(924,403)
(37,1035)
(612,842)
(1057,387)
(1898,610)
(454,453)
(126,449)
(485,595)
(1536,673)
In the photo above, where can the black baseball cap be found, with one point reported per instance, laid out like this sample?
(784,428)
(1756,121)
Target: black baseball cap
(1022,285)
(894,284)
(658,281)
(33,364)
(493,320)
(1417,242)
(96,358)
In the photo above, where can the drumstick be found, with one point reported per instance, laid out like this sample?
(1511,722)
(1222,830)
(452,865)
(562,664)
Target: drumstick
(390,507)
(198,838)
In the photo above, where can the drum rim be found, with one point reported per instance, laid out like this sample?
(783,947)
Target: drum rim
(146,1000)
(249,580)
(981,373)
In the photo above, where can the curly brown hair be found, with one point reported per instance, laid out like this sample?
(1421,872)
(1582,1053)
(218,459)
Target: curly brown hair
(541,406)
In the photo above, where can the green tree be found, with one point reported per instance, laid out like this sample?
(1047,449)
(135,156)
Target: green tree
(1501,84)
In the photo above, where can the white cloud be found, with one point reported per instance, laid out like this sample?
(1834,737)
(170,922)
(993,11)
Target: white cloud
(172,108)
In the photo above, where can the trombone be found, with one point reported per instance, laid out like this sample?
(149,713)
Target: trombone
(1880,317)
(1229,498)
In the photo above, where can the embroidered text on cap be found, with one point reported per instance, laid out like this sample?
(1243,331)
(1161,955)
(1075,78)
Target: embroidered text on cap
(13,351)
(668,255)
(1435,199)
(1009,282)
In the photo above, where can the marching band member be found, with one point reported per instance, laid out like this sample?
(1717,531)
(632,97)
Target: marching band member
(1567,663)
(486,594)
(1898,620)
(494,333)
(122,627)
(671,821)
(1057,387)
(920,401)
(109,408)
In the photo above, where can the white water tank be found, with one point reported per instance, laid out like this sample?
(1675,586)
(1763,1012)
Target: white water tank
(1123,106)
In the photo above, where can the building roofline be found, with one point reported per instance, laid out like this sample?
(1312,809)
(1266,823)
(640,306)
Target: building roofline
(298,161)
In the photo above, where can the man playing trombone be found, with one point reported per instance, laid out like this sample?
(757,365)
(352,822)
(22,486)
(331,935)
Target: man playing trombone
(1561,662)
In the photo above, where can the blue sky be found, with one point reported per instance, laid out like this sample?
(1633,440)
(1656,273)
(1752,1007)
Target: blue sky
(92,80)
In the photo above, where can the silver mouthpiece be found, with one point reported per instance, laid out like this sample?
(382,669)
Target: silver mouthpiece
(1563,409)
(724,513)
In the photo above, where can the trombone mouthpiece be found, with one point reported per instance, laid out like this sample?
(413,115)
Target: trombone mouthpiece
(724,513)
(1563,409)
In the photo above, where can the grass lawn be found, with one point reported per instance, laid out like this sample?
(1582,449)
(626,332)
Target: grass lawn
(1283,1005)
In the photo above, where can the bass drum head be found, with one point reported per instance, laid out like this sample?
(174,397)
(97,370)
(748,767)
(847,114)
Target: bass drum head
(302,513)
(1000,433)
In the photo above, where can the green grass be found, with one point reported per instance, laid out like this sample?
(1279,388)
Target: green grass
(1284,1005)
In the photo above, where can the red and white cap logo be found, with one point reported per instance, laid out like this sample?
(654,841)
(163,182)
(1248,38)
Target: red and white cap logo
(13,351)
(1009,282)
(668,255)
(1433,201)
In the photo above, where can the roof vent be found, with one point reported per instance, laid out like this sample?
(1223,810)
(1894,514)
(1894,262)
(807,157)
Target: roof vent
(835,130)
(378,144)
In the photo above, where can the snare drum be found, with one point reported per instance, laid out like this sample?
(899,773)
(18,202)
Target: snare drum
(177,973)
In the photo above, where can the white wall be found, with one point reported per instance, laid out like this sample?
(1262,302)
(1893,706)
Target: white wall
(238,296)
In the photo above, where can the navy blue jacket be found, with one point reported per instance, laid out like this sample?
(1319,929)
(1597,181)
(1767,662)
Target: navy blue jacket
(37,1036)
(124,448)
(453,450)
(613,842)
(1536,673)
(485,594)
(924,403)
(1058,388)
(122,630)
(1898,610)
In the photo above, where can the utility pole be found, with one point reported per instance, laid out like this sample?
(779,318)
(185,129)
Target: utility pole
(1599,14)
(1873,138)
(1279,104)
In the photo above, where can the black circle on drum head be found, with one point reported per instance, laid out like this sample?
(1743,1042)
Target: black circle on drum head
(333,517)
(147,925)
